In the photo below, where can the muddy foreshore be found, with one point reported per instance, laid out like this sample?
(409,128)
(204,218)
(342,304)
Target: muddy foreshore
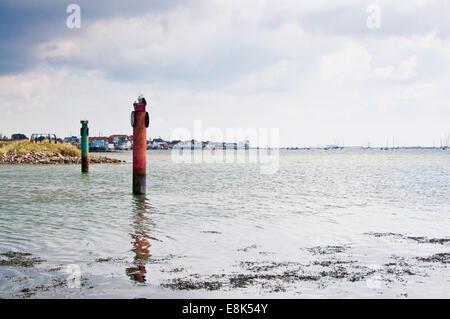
(331,265)
(36,157)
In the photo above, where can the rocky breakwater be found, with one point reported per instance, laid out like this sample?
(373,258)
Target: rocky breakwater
(40,157)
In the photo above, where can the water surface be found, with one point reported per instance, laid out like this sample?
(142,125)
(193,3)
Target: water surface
(346,223)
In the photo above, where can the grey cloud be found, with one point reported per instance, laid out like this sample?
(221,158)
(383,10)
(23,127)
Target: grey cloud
(25,24)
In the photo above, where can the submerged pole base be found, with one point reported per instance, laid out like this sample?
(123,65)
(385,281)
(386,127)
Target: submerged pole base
(139,183)
(84,165)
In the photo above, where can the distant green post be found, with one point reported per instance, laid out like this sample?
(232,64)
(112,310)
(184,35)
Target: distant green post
(84,132)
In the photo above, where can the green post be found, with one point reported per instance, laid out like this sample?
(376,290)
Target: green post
(84,132)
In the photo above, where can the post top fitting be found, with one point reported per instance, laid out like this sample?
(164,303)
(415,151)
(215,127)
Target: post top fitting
(140,104)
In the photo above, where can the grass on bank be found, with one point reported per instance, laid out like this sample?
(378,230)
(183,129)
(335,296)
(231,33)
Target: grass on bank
(25,147)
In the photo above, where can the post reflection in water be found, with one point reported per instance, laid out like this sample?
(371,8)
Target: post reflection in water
(140,238)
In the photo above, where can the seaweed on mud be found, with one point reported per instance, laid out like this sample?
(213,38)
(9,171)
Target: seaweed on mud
(330,269)
(19,259)
(275,288)
(343,269)
(15,254)
(102,260)
(174,270)
(399,261)
(244,280)
(291,275)
(188,284)
(337,273)
(265,266)
(443,258)
(275,276)
(398,268)
(335,265)
(57,268)
(217,276)
(112,260)
(400,271)
(122,260)
(419,239)
(326,250)
(307,277)
(211,232)
(441,241)
(383,234)
(245,249)
(328,263)
(163,259)
(17,279)
(56,282)
(241,280)
(265,253)
(272,280)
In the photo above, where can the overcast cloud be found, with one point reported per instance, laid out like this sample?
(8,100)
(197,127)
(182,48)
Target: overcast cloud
(313,69)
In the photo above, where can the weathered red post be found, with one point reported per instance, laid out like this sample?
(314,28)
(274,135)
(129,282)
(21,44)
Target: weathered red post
(139,121)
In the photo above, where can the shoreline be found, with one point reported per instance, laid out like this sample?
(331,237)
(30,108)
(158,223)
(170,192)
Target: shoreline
(36,158)
(46,154)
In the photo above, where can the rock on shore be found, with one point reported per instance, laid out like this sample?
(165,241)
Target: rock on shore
(33,157)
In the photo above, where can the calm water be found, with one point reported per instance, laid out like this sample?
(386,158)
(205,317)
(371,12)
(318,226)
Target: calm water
(347,223)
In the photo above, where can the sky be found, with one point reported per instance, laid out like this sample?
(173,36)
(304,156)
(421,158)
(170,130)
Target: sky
(346,72)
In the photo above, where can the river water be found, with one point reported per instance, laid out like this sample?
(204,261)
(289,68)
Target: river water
(336,223)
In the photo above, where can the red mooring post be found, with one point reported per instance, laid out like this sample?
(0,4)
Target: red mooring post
(139,121)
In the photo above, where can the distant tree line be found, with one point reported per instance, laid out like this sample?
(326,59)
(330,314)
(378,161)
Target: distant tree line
(14,137)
